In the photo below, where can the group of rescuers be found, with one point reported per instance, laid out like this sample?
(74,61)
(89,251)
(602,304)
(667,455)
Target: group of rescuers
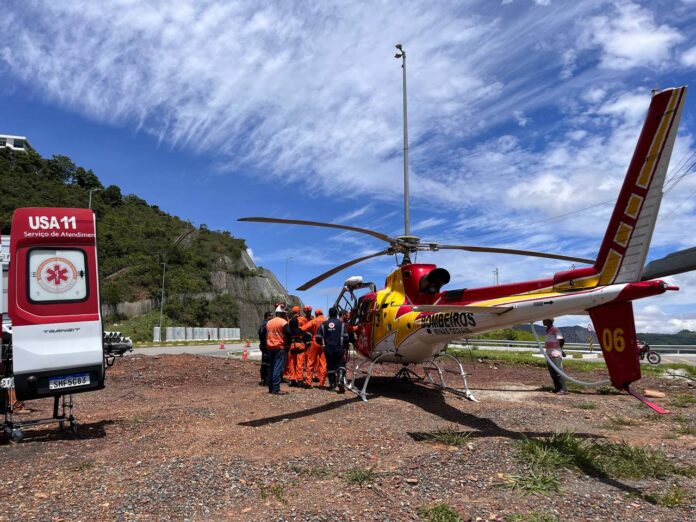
(303,350)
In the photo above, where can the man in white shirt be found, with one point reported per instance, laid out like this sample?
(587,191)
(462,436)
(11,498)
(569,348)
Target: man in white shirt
(553,343)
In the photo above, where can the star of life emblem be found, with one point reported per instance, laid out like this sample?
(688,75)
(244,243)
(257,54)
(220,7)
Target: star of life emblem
(56,275)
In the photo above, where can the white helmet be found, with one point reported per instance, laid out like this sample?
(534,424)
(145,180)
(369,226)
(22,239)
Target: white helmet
(280,309)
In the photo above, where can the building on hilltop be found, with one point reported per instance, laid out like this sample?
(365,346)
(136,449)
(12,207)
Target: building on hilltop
(13,142)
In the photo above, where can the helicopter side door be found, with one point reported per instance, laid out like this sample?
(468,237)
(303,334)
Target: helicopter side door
(363,324)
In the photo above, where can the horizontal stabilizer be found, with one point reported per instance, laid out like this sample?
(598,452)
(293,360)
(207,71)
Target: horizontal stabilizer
(495,310)
(674,263)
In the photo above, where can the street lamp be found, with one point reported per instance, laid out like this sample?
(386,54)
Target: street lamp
(407,218)
(164,272)
(287,293)
(90,196)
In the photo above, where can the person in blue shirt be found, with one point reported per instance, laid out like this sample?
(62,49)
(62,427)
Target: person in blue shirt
(332,335)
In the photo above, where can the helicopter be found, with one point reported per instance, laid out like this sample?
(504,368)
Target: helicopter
(412,319)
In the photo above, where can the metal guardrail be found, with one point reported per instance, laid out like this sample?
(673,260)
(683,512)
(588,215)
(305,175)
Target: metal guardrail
(531,346)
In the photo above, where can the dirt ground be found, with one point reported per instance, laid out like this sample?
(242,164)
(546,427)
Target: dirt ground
(195,438)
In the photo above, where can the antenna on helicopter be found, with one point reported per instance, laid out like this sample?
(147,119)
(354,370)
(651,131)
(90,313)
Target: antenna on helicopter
(407,217)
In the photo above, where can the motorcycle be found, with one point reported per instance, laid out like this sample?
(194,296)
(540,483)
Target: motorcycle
(645,351)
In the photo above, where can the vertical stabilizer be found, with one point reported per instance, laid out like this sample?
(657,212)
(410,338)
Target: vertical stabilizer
(625,245)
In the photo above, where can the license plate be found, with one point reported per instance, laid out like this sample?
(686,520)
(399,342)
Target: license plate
(68,381)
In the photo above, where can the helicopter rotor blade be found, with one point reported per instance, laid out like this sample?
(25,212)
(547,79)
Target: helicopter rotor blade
(369,232)
(512,251)
(309,284)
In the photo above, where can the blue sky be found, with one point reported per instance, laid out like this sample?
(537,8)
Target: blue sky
(519,112)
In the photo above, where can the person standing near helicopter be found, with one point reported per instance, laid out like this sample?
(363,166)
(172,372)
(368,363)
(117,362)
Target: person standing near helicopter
(296,355)
(553,343)
(277,341)
(332,335)
(316,362)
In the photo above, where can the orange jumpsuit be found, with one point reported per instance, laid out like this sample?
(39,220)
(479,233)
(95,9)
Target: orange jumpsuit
(316,361)
(296,356)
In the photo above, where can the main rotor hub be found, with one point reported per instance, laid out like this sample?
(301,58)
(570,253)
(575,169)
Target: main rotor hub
(407,243)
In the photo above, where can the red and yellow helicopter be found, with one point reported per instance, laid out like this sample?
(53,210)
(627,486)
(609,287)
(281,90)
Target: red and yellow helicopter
(412,319)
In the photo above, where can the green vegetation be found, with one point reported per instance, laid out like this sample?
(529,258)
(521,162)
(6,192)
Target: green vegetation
(450,436)
(674,497)
(535,482)
(613,459)
(360,476)
(681,337)
(619,422)
(507,334)
(276,490)
(133,239)
(525,358)
(682,400)
(438,513)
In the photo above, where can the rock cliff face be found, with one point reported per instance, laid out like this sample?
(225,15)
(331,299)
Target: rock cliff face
(256,290)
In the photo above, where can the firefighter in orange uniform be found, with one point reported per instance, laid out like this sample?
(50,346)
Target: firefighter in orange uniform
(296,355)
(316,361)
(277,340)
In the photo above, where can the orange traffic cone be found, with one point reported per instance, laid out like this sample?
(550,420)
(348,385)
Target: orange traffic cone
(248,343)
(222,345)
(245,354)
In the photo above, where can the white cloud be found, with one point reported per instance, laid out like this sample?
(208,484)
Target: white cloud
(688,57)
(631,38)
(313,92)
(594,95)
(520,118)
(653,319)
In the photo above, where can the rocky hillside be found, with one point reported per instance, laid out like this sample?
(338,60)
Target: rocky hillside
(210,278)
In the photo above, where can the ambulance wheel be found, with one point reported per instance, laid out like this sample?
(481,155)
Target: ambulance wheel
(73,426)
(17,435)
(8,432)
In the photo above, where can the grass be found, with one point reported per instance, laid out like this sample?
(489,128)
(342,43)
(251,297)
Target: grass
(608,390)
(276,490)
(686,429)
(360,476)
(449,436)
(535,482)
(619,422)
(674,497)
(682,400)
(525,358)
(613,459)
(534,516)
(439,513)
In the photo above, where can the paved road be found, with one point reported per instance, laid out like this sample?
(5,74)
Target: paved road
(211,350)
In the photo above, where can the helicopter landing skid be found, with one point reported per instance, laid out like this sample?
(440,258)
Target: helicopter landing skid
(405,374)
(432,365)
(362,393)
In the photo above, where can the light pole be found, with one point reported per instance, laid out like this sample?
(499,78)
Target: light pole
(407,218)
(287,293)
(164,272)
(90,196)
